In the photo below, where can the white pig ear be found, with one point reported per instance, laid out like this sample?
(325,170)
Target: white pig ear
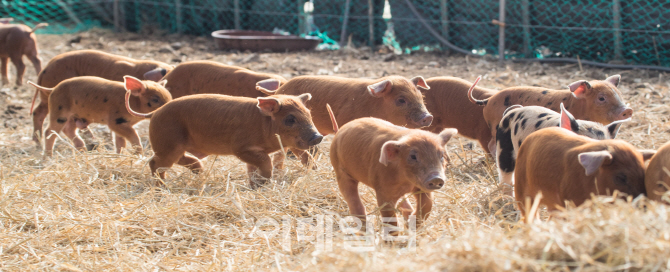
(268,105)
(268,86)
(567,120)
(134,85)
(390,151)
(446,135)
(420,82)
(163,82)
(591,161)
(579,88)
(647,153)
(613,128)
(305,97)
(615,80)
(380,89)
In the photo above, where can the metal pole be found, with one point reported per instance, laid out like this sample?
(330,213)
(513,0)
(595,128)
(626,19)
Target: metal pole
(236,4)
(177,5)
(345,21)
(525,13)
(444,14)
(616,11)
(371,23)
(501,31)
(116,16)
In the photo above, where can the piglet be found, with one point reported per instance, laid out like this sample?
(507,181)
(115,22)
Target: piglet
(393,161)
(598,101)
(564,166)
(197,77)
(518,122)
(16,41)
(89,63)
(77,102)
(213,124)
(657,176)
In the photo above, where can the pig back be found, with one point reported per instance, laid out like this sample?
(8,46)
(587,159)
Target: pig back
(356,147)
(657,179)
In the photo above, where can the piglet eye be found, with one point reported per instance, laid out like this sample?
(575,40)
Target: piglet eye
(401,101)
(621,179)
(412,157)
(289,121)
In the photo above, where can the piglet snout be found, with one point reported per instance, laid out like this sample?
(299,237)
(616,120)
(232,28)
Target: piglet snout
(426,120)
(435,181)
(625,114)
(315,140)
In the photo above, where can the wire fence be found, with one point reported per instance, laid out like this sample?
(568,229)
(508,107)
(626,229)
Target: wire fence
(605,31)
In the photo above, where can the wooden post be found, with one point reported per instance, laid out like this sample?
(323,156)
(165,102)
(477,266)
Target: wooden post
(301,17)
(236,4)
(501,31)
(345,22)
(444,15)
(177,5)
(525,13)
(616,12)
(371,23)
(116,16)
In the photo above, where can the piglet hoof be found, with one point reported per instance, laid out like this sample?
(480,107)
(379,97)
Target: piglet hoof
(92,146)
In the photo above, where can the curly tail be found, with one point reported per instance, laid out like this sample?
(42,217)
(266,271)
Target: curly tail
(134,113)
(472,99)
(38,88)
(332,118)
(38,26)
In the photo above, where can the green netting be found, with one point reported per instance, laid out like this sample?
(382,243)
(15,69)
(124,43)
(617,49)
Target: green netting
(632,32)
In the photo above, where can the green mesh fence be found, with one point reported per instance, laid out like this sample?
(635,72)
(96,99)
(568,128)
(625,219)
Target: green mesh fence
(608,31)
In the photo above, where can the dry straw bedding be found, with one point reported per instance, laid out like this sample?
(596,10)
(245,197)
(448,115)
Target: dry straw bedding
(99,211)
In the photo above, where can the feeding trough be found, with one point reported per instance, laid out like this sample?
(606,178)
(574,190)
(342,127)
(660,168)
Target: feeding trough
(259,41)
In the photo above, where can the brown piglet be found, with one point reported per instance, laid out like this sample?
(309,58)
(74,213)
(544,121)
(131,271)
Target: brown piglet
(572,167)
(448,102)
(89,63)
(657,176)
(17,41)
(393,98)
(598,101)
(77,102)
(197,77)
(213,124)
(393,161)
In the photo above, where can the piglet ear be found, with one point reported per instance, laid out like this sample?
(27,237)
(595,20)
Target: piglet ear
(163,82)
(567,120)
(305,97)
(647,153)
(591,161)
(134,85)
(420,82)
(390,151)
(268,105)
(613,128)
(579,88)
(446,135)
(155,74)
(615,80)
(380,89)
(270,84)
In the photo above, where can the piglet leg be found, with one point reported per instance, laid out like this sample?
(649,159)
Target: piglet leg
(191,163)
(306,158)
(70,130)
(256,160)
(17,60)
(130,134)
(424,205)
(3,68)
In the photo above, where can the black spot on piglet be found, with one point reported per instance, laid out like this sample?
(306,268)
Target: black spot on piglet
(61,120)
(121,120)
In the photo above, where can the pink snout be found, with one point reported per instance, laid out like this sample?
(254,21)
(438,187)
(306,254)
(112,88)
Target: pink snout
(625,114)
(434,181)
(425,121)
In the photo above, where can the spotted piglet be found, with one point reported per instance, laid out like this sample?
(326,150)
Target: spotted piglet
(518,122)
(77,102)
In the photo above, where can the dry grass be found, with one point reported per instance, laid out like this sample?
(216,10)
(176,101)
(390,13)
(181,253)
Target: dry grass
(99,210)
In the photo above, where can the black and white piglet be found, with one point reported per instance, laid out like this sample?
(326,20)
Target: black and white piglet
(518,122)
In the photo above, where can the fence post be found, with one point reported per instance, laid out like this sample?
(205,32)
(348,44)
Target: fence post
(345,22)
(444,15)
(301,17)
(525,14)
(116,16)
(177,6)
(236,6)
(616,12)
(371,23)
(501,31)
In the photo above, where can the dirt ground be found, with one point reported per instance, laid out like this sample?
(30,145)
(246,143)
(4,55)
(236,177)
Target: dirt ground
(99,210)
